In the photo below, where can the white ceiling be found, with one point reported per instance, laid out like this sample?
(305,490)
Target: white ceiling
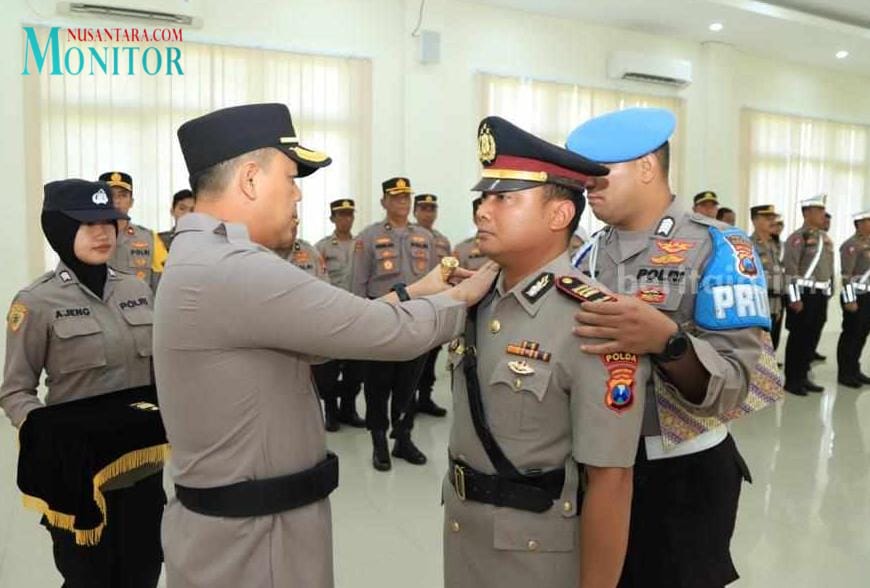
(803,31)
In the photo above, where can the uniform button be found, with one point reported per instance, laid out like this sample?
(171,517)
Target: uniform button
(567,506)
(454,526)
(494,326)
(533,545)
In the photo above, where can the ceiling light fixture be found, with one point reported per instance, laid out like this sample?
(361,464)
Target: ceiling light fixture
(842,54)
(716,27)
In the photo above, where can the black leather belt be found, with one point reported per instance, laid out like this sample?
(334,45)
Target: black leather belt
(256,498)
(533,493)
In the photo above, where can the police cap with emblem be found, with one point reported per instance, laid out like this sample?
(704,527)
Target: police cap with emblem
(514,159)
(81,200)
(624,135)
(763,210)
(396,186)
(118,178)
(430,199)
(705,196)
(227,133)
(343,204)
(861,216)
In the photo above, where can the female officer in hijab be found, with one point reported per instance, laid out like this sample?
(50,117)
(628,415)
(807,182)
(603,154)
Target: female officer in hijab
(88,328)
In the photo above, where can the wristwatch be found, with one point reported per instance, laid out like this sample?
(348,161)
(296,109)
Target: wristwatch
(401,291)
(675,348)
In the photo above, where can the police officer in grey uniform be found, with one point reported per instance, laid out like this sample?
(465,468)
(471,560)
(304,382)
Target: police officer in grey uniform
(88,328)
(302,254)
(426,213)
(339,381)
(182,203)
(139,250)
(385,253)
(235,330)
(809,268)
(763,216)
(692,295)
(855,298)
(533,414)
(468,251)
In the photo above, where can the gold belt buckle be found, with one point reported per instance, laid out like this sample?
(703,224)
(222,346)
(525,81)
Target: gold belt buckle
(459,481)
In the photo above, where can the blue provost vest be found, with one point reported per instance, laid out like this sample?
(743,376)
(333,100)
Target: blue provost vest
(733,291)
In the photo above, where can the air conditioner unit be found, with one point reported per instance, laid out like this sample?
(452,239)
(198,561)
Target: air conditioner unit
(156,12)
(625,65)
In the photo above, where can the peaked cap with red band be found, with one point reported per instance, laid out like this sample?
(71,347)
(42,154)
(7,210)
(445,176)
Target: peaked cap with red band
(514,159)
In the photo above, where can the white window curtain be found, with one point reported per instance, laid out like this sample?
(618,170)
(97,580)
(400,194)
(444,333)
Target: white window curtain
(91,124)
(790,158)
(552,110)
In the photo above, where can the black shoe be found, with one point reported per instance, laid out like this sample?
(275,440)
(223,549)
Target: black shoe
(818,356)
(351,418)
(332,424)
(849,382)
(796,390)
(863,379)
(381,454)
(811,386)
(429,407)
(405,449)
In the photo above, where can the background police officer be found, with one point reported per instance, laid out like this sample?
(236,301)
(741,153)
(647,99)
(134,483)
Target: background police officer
(706,203)
(426,213)
(340,380)
(388,252)
(139,251)
(182,203)
(763,216)
(468,251)
(855,269)
(808,261)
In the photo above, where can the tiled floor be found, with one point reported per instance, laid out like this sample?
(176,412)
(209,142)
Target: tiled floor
(804,523)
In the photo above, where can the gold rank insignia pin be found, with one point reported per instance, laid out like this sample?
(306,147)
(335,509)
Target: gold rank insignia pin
(521,368)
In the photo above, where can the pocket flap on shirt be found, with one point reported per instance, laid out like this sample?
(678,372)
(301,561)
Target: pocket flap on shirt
(535,383)
(76,327)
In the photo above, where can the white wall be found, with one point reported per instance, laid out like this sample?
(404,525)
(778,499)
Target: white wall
(425,117)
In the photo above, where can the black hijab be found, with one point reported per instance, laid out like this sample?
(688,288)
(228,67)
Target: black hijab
(61,230)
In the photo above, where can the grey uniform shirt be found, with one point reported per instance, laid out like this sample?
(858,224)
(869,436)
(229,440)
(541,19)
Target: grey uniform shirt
(304,256)
(234,327)
(800,251)
(469,255)
(384,255)
(85,345)
(139,252)
(774,272)
(338,257)
(855,258)
(664,271)
(550,417)
(442,244)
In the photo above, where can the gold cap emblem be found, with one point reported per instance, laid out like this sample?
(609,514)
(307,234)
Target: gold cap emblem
(486,150)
